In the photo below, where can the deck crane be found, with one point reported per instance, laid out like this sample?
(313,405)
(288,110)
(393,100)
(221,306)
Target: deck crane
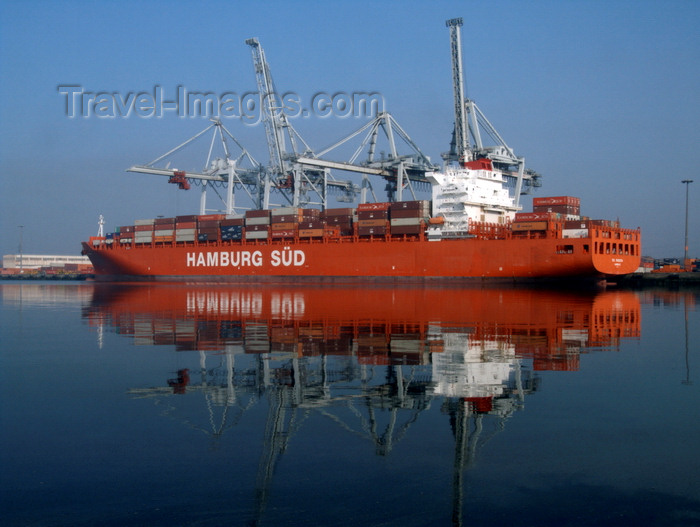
(285,174)
(469,120)
(241,171)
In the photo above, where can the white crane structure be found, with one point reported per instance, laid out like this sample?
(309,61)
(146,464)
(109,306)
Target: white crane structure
(299,177)
(478,183)
(469,122)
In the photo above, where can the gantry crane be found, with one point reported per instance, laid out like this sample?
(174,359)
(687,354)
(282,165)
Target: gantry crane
(469,122)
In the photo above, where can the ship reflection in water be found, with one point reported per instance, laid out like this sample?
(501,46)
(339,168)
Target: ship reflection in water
(369,359)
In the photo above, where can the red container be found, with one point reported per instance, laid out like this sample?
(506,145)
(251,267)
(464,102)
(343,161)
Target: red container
(186,225)
(373,206)
(534,216)
(211,217)
(318,224)
(339,220)
(311,213)
(411,205)
(408,213)
(164,221)
(257,214)
(560,209)
(185,219)
(143,228)
(283,226)
(373,214)
(330,213)
(372,231)
(257,228)
(311,233)
(208,224)
(233,222)
(557,200)
(287,233)
(372,223)
(287,218)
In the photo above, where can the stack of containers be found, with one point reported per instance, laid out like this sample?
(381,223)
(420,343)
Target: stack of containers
(185,228)
(126,234)
(339,218)
(231,228)
(409,217)
(311,225)
(163,230)
(568,206)
(533,221)
(208,227)
(143,231)
(257,224)
(284,222)
(373,219)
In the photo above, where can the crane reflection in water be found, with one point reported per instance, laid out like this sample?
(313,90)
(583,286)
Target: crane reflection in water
(369,359)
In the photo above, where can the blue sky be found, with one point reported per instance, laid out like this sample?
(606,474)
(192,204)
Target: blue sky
(601,98)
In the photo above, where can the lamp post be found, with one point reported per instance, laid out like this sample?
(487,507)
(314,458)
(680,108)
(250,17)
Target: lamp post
(687,183)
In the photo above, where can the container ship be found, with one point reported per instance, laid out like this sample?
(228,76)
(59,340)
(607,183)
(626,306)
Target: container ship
(472,228)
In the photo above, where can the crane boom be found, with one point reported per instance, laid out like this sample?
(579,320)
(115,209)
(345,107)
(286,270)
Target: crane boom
(459,150)
(272,116)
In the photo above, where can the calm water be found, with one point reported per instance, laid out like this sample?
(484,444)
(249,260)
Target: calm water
(197,405)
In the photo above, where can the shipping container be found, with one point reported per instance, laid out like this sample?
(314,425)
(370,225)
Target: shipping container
(232,222)
(257,220)
(372,223)
(143,228)
(372,215)
(411,205)
(255,235)
(164,221)
(363,207)
(405,221)
(561,209)
(211,217)
(317,224)
(529,226)
(144,222)
(186,219)
(311,213)
(408,213)
(557,200)
(311,233)
(288,233)
(208,224)
(257,214)
(536,216)
(329,213)
(257,228)
(185,225)
(372,231)
(283,226)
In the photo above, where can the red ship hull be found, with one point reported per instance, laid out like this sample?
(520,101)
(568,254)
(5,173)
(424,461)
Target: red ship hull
(413,259)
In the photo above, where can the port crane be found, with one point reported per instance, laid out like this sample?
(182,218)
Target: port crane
(469,122)
(302,177)
(305,171)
